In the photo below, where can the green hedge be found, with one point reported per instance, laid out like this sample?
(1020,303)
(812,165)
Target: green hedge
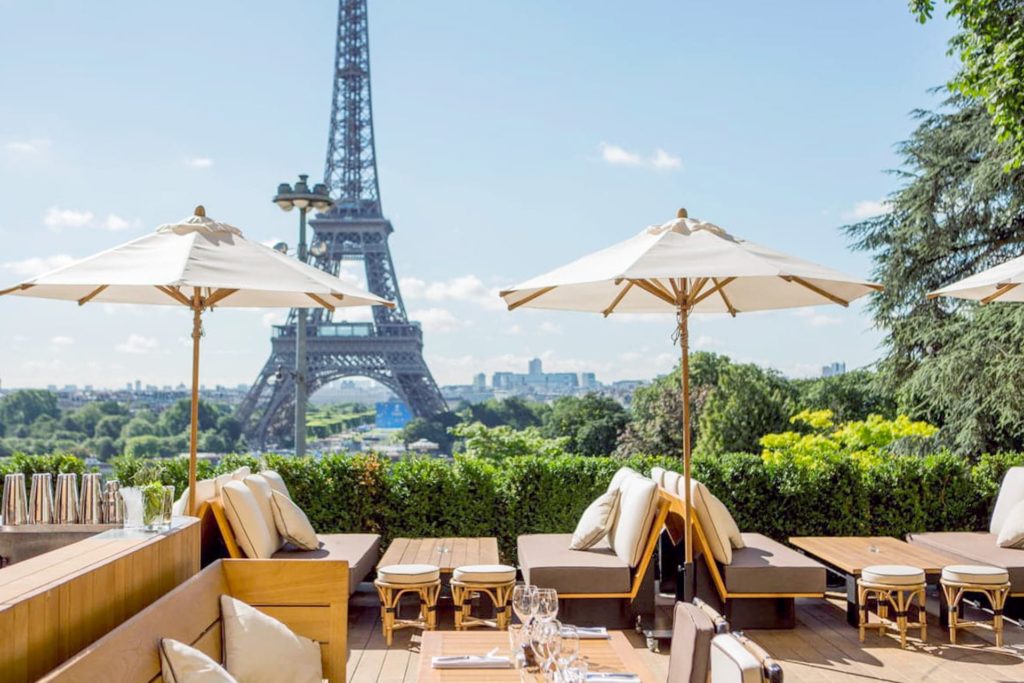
(473,497)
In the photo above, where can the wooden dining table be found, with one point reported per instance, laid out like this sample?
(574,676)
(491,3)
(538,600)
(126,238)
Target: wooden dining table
(614,655)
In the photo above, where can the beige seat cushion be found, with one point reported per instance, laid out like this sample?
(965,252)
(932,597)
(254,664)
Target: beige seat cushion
(976,547)
(276,482)
(205,490)
(692,631)
(292,523)
(547,561)
(715,520)
(247,521)
(260,649)
(670,482)
(361,551)
(485,573)
(620,476)
(731,662)
(241,473)
(1011,535)
(658,475)
(408,573)
(596,521)
(261,490)
(1011,492)
(181,663)
(638,502)
(977,574)
(764,565)
(893,575)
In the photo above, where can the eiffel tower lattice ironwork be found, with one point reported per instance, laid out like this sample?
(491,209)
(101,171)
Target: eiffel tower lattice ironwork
(389,349)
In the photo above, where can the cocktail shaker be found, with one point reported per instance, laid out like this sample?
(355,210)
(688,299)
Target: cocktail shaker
(40,502)
(91,505)
(14,507)
(65,500)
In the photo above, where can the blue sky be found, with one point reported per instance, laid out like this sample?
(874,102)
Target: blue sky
(511,138)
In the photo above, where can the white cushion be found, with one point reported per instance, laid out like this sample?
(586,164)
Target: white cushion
(181,663)
(621,476)
(1012,533)
(670,482)
(220,480)
(485,573)
(724,521)
(205,490)
(596,521)
(980,574)
(241,473)
(261,490)
(731,662)
(893,575)
(658,475)
(276,482)
(260,649)
(247,523)
(715,520)
(292,523)
(638,501)
(1011,492)
(408,573)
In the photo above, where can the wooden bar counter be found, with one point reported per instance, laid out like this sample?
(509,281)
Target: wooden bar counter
(53,605)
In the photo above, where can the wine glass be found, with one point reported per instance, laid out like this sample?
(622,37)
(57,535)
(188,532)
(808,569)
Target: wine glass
(547,604)
(524,602)
(546,641)
(570,647)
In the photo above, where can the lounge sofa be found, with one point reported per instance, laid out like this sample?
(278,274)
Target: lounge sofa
(247,528)
(753,579)
(612,582)
(981,547)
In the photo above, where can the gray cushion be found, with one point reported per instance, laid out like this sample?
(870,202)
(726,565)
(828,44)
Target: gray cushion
(973,547)
(547,562)
(361,551)
(692,631)
(767,566)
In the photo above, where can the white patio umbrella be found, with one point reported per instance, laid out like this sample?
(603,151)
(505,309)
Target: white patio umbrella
(1000,283)
(686,266)
(200,264)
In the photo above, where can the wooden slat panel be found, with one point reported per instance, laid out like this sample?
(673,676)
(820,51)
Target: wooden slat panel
(311,622)
(394,553)
(852,553)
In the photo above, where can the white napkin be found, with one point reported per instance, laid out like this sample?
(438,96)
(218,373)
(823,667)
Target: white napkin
(604,677)
(471,662)
(591,632)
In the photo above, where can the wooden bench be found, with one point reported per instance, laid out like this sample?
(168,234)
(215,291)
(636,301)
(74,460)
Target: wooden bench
(310,597)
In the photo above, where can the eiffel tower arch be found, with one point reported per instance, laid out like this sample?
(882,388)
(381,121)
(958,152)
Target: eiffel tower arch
(390,348)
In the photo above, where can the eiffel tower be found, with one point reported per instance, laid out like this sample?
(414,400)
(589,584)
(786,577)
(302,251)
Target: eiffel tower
(389,349)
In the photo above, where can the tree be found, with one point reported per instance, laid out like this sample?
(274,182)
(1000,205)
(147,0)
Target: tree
(512,411)
(591,423)
(25,406)
(178,417)
(656,427)
(501,442)
(435,428)
(110,426)
(991,49)
(850,396)
(748,403)
(143,424)
(948,361)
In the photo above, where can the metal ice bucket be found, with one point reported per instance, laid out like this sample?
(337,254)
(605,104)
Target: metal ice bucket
(40,502)
(15,505)
(91,505)
(113,503)
(65,500)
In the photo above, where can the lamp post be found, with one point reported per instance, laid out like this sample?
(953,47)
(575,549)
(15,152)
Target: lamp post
(302,198)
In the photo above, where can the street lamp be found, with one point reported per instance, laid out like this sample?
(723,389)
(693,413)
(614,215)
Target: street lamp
(304,199)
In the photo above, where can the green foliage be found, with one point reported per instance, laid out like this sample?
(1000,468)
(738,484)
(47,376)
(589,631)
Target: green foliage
(991,50)
(324,421)
(25,406)
(951,362)
(500,443)
(748,402)
(591,424)
(850,396)
(434,428)
(54,464)
(513,412)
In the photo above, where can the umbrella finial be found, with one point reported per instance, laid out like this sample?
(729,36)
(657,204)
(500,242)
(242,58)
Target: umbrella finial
(681,213)
(200,211)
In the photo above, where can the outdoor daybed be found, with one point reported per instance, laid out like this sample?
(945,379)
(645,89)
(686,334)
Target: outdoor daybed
(239,505)
(753,579)
(981,547)
(612,582)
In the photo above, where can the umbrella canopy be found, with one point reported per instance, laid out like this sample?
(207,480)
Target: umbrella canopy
(1000,283)
(686,266)
(199,263)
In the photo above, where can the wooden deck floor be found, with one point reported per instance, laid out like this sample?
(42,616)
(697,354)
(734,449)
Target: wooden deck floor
(821,648)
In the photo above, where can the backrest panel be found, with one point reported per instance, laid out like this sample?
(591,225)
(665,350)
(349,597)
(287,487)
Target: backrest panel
(1011,492)
(692,631)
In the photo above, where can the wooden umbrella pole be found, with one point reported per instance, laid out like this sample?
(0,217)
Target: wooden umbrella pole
(684,343)
(197,331)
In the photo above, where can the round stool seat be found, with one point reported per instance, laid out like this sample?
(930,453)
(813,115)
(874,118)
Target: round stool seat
(409,573)
(893,575)
(485,573)
(975,574)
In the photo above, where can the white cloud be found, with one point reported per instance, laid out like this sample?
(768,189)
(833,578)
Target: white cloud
(199,162)
(620,156)
(816,318)
(115,223)
(467,288)
(869,208)
(550,328)
(31,267)
(138,344)
(704,342)
(438,320)
(277,317)
(57,218)
(61,340)
(34,146)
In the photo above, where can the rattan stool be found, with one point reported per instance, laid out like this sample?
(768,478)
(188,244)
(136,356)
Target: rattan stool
(893,585)
(396,580)
(959,579)
(494,580)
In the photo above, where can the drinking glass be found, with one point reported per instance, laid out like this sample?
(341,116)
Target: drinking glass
(546,641)
(576,672)
(524,602)
(570,648)
(547,604)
